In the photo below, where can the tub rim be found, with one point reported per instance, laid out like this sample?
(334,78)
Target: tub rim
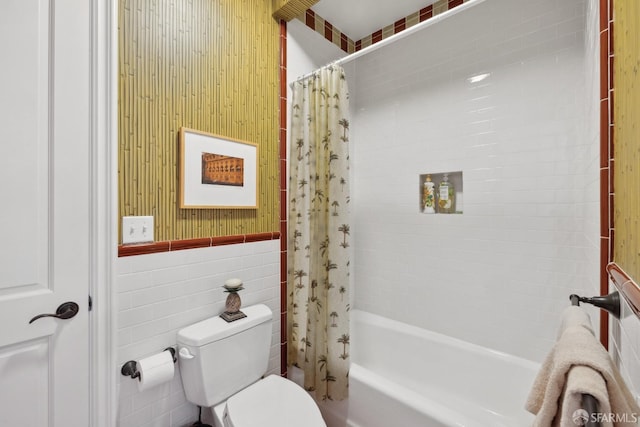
(377,320)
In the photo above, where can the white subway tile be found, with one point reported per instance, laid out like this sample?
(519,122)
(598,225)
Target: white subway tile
(194,286)
(161,420)
(157,261)
(123,265)
(184,415)
(124,300)
(169,275)
(151,396)
(125,406)
(151,295)
(124,336)
(135,316)
(136,419)
(208,268)
(134,281)
(529,163)
(172,306)
(153,328)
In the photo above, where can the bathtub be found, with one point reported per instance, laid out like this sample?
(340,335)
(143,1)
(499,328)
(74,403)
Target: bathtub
(405,376)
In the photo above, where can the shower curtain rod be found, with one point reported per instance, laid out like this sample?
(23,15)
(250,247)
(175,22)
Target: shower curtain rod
(395,37)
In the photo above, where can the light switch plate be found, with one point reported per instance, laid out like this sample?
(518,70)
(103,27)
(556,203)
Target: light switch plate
(137,229)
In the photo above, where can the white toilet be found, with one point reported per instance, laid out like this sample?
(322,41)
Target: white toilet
(222,364)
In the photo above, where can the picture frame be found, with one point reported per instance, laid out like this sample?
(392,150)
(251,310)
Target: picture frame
(217,172)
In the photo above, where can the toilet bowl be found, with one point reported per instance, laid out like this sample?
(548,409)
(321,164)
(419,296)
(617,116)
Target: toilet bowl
(271,402)
(222,365)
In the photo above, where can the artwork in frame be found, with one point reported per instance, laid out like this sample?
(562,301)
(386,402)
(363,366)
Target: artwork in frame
(217,172)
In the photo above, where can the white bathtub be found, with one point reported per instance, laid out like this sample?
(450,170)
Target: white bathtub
(405,376)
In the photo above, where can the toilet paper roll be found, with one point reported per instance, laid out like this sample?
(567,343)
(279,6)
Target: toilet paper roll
(155,370)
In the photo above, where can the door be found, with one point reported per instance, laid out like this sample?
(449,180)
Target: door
(44,208)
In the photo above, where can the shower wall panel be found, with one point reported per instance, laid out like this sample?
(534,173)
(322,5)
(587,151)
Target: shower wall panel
(500,93)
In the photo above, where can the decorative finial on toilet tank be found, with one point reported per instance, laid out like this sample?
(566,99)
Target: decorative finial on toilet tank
(233,303)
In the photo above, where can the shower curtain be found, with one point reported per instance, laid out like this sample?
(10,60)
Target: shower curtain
(318,233)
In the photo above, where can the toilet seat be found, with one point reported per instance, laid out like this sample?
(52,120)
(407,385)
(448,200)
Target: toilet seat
(272,402)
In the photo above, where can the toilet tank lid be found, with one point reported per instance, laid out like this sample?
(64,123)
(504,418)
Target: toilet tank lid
(216,328)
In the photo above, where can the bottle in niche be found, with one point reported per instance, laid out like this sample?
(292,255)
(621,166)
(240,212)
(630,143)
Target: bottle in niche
(428,196)
(446,196)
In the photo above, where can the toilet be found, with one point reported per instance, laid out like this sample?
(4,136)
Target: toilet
(222,366)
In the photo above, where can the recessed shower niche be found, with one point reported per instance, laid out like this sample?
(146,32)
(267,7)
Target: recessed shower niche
(441,193)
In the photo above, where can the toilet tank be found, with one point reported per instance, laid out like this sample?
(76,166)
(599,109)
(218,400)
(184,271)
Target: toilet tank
(218,359)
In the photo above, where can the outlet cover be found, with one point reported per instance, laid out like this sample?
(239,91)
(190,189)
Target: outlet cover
(137,229)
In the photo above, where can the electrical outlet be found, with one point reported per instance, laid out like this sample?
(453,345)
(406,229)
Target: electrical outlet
(137,229)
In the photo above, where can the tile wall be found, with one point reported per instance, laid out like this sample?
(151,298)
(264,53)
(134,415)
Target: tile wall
(500,274)
(158,294)
(624,345)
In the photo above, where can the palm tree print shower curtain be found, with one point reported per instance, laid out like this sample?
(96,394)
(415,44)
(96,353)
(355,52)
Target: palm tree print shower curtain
(319,232)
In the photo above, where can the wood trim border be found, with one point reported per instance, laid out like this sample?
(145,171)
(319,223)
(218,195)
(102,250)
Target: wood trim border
(626,286)
(607,226)
(283,199)
(205,242)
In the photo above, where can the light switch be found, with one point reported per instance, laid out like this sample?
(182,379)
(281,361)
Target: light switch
(137,229)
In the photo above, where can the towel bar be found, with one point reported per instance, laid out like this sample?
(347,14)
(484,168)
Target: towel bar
(589,403)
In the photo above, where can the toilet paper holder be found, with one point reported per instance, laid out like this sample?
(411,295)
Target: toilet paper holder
(130,368)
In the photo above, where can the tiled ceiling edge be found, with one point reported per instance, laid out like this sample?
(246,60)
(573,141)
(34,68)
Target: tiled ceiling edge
(409,21)
(344,42)
(323,27)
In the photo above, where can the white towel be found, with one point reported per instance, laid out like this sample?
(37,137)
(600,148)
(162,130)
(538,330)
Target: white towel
(574,316)
(580,380)
(563,378)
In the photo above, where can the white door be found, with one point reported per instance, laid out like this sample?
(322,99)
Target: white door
(44,208)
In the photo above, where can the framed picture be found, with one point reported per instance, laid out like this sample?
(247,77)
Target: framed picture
(217,172)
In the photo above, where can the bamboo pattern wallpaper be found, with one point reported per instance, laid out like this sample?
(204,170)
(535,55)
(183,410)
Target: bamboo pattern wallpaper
(210,65)
(627,136)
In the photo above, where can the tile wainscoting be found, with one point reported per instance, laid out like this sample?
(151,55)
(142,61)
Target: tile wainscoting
(160,293)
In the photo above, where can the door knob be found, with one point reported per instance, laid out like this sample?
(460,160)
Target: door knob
(66,311)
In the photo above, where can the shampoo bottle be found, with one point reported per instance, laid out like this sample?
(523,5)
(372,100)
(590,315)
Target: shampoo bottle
(446,196)
(428,196)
